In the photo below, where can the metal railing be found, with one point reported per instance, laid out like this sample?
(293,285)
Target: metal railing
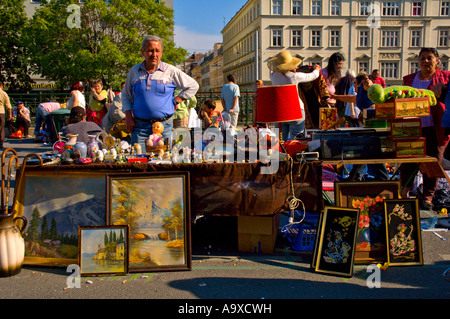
(33,99)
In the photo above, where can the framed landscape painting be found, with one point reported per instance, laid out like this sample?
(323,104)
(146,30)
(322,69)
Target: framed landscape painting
(55,203)
(403,232)
(103,250)
(369,198)
(336,246)
(157,209)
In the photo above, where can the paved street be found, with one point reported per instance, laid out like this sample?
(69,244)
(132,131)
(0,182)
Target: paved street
(220,272)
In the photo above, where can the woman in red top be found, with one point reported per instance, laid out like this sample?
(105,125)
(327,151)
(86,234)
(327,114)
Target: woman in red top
(432,130)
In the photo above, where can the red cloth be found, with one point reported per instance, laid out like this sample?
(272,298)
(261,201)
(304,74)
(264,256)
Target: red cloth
(95,116)
(437,111)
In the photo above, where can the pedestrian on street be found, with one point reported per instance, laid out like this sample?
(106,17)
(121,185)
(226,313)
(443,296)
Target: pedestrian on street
(229,97)
(148,93)
(5,107)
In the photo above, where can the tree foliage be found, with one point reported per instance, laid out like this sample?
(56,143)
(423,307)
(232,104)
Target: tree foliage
(105,44)
(14,69)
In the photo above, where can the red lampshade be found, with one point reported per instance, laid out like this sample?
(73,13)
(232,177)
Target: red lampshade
(278,103)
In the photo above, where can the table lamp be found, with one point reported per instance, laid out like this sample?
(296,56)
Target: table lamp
(278,104)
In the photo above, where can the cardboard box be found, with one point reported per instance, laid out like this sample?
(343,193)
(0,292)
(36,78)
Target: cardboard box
(257,234)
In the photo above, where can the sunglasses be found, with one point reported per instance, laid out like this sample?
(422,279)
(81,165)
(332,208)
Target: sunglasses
(431,50)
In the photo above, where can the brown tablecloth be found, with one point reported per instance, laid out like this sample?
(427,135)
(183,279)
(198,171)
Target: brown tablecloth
(231,189)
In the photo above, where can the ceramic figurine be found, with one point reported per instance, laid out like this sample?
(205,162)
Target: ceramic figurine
(156,139)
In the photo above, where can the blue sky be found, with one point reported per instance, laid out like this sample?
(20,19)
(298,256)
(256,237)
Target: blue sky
(198,23)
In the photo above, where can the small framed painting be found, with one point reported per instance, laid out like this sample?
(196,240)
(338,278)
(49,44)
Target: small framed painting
(103,250)
(336,246)
(328,117)
(403,233)
(156,207)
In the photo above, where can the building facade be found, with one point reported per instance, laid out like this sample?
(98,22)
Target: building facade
(384,35)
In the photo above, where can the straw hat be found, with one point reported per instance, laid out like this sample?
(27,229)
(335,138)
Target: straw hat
(283,62)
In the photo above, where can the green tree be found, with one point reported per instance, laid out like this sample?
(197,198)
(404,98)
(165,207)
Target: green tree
(33,227)
(14,69)
(106,44)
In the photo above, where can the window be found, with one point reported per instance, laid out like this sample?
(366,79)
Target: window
(391,9)
(296,38)
(335,7)
(276,7)
(316,8)
(364,8)
(389,70)
(363,38)
(390,38)
(297,8)
(416,36)
(414,67)
(335,38)
(445,8)
(363,66)
(443,38)
(276,37)
(417,8)
(316,36)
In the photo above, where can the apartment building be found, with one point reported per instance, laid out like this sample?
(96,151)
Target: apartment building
(384,35)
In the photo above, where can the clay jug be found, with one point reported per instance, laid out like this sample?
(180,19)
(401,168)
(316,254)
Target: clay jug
(12,252)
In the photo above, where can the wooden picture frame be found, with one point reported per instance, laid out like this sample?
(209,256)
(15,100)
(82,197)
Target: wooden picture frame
(327,117)
(407,148)
(371,246)
(103,250)
(403,232)
(412,107)
(55,203)
(406,128)
(336,246)
(156,206)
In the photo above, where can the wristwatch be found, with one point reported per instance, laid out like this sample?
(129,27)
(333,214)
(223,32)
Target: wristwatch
(175,101)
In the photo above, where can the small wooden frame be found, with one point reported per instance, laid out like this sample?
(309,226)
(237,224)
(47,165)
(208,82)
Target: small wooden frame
(403,233)
(336,246)
(103,250)
(406,128)
(410,147)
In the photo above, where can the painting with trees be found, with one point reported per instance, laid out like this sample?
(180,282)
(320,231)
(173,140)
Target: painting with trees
(103,250)
(55,205)
(156,208)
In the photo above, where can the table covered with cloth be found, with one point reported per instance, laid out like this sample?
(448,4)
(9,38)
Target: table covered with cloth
(227,189)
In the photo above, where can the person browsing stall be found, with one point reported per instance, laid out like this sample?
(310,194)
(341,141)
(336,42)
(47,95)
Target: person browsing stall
(77,124)
(436,137)
(148,93)
(284,71)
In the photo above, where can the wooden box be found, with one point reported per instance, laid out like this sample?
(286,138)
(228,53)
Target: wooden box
(406,128)
(399,108)
(257,234)
(410,147)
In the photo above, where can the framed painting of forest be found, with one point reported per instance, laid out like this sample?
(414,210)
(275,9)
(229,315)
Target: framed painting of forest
(369,197)
(103,250)
(403,233)
(156,207)
(336,242)
(55,203)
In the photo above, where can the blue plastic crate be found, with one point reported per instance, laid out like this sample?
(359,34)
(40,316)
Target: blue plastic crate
(302,236)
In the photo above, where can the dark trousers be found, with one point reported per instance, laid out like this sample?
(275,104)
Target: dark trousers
(2,129)
(407,171)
